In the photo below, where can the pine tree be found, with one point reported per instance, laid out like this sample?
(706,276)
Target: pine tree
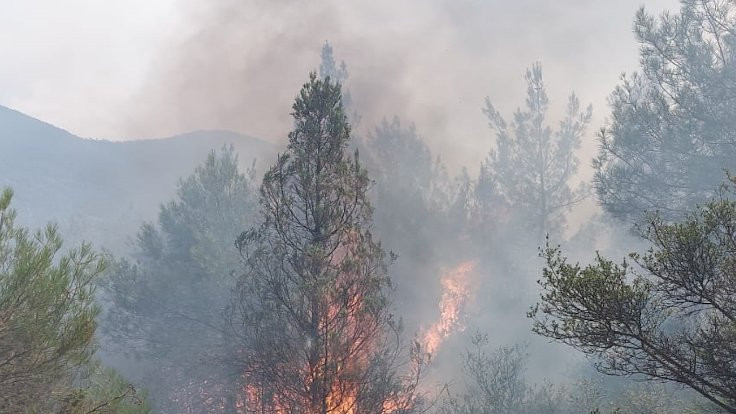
(531,166)
(413,193)
(312,307)
(671,129)
(167,306)
(328,68)
(47,324)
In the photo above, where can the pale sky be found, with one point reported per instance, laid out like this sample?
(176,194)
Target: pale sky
(74,62)
(145,68)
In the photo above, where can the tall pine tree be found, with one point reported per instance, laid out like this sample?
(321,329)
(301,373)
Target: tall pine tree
(312,308)
(532,165)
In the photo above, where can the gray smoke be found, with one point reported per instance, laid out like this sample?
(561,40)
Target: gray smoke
(238,64)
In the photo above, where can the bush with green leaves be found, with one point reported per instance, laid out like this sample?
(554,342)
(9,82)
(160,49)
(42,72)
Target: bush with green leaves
(668,314)
(47,324)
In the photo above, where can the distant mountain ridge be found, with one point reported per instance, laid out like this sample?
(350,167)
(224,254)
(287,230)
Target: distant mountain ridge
(97,189)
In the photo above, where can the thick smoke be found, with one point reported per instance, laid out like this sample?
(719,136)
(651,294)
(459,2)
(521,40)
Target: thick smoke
(236,64)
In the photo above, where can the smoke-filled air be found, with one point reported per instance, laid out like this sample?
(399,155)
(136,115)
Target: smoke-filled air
(368,207)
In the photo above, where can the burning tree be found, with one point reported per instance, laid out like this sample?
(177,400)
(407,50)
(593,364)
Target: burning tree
(312,308)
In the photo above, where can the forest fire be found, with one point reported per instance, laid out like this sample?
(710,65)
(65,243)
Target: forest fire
(277,226)
(345,394)
(455,295)
(332,373)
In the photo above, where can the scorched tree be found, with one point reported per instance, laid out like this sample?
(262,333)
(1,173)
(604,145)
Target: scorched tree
(312,307)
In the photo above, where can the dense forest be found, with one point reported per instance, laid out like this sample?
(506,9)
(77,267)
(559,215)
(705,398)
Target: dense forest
(351,271)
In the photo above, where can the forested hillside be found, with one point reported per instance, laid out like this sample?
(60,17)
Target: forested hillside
(581,261)
(99,190)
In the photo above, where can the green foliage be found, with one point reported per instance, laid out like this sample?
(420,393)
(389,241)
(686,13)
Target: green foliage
(312,306)
(103,391)
(671,129)
(167,306)
(671,317)
(47,314)
(47,323)
(531,165)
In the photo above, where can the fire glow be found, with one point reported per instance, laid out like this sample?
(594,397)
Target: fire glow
(456,291)
(339,369)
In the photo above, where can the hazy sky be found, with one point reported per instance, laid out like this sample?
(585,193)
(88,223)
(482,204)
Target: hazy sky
(143,68)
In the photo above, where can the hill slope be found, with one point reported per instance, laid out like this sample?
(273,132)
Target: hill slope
(100,190)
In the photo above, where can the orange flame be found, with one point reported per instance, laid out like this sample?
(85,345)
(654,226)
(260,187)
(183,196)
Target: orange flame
(456,293)
(346,317)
